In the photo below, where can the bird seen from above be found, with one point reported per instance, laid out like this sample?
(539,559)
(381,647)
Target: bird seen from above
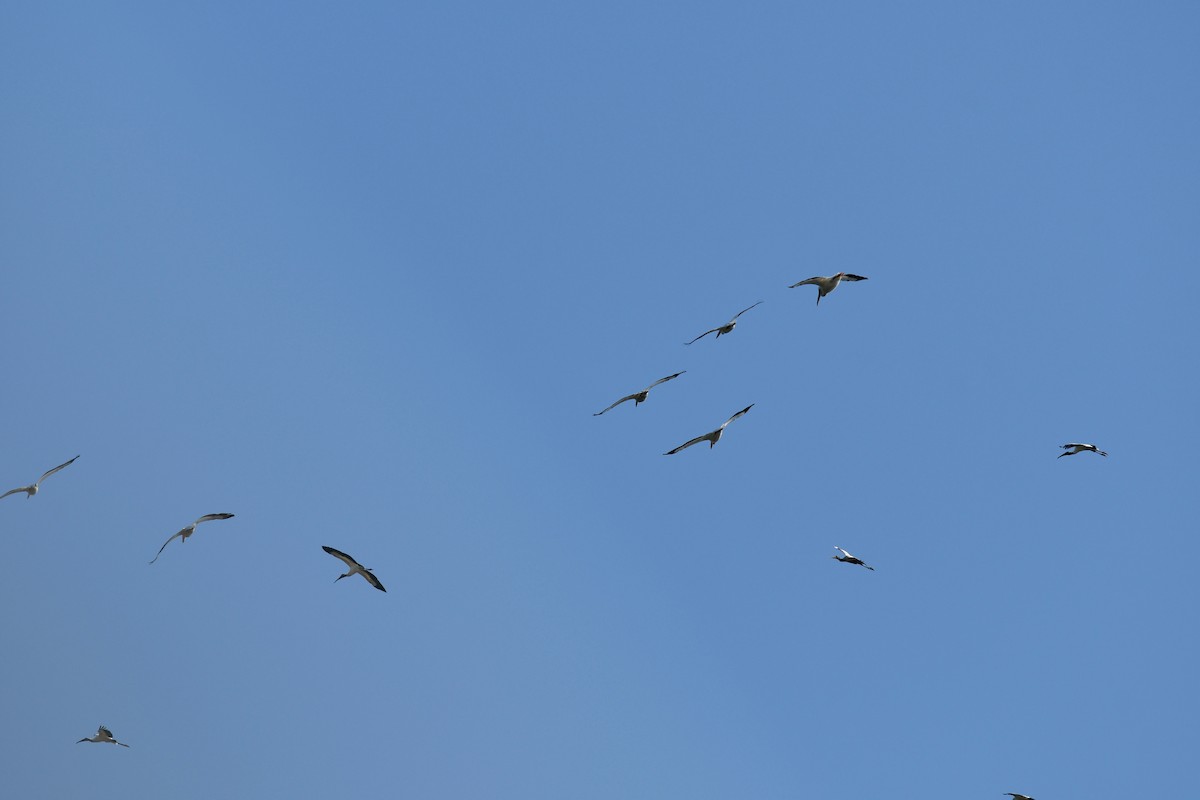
(1075,449)
(355,568)
(189,530)
(846,558)
(711,437)
(31,490)
(727,327)
(639,397)
(103,736)
(827,285)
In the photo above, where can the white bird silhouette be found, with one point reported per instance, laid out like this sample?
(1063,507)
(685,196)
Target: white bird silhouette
(827,285)
(355,568)
(849,559)
(30,491)
(103,735)
(639,397)
(711,437)
(727,327)
(1079,448)
(189,530)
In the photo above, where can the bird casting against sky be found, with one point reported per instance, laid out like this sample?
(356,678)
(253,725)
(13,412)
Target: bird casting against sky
(639,397)
(827,285)
(189,530)
(32,489)
(727,327)
(355,568)
(846,558)
(1075,449)
(712,437)
(103,736)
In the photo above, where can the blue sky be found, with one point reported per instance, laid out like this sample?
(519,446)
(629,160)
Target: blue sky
(362,276)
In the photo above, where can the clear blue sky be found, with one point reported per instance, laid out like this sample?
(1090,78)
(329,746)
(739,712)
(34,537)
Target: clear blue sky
(361,276)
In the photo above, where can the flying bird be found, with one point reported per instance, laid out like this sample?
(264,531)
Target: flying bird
(712,437)
(727,327)
(1079,448)
(355,568)
(827,285)
(639,397)
(189,530)
(30,491)
(846,558)
(1016,796)
(103,735)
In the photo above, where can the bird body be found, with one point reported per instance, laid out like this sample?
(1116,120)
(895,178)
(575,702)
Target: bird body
(189,530)
(32,489)
(639,397)
(727,327)
(712,437)
(849,559)
(355,568)
(103,736)
(1075,449)
(827,285)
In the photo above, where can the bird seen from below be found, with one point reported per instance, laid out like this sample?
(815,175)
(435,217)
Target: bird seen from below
(712,437)
(827,285)
(31,490)
(639,397)
(1076,448)
(1016,796)
(355,568)
(727,327)
(103,736)
(189,530)
(846,558)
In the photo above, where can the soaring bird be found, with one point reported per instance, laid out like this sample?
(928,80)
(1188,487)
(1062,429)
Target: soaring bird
(827,285)
(1016,796)
(30,491)
(846,558)
(638,397)
(711,437)
(727,327)
(103,735)
(189,530)
(355,568)
(1079,448)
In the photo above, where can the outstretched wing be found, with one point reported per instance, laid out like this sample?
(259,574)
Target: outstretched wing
(614,405)
(735,416)
(846,276)
(744,310)
(350,562)
(701,336)
(14,491)
(371,579)
(64,465)
(210,517)
(814,280)
(661,380)
(105,732)
(847,555)
(167,542)
(1073,444)
(688,444)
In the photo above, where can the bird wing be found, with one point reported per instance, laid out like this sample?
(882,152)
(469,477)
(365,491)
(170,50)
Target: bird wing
(744,310)
(661,380)
(14,491)
(614,405)
(210,517)
(814,280)
(848,277)
(105,732)
(735,416)
(350,562)
(688,444)
(701,336)
(847,555)
(371,579)
(63,465)
(1084,446)
(167,542)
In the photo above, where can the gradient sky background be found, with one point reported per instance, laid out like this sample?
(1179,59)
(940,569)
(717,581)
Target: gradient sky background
(361,274)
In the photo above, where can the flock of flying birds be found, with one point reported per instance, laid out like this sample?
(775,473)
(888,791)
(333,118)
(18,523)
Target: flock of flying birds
(824,285)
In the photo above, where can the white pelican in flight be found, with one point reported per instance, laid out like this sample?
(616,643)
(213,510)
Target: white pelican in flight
(639,397)
(355,568)
(727,327)
(30,491)
(827,285)
(189,530)
(846,558)
(103,735)
(711,437)
(1076,449)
